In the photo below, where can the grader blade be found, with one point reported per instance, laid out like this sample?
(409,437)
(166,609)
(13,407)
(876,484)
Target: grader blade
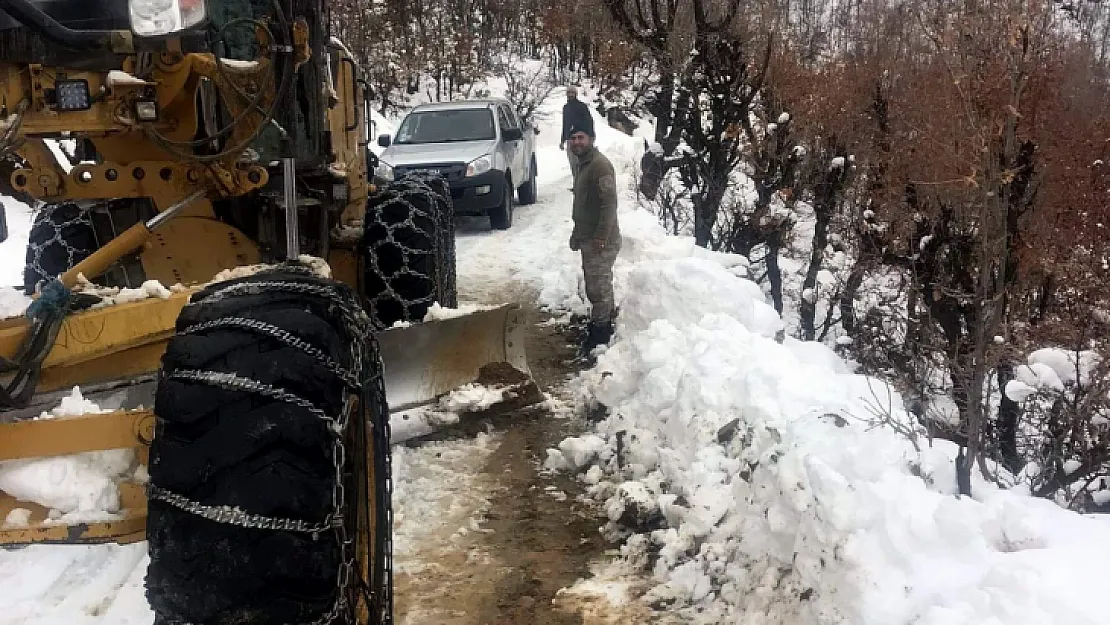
(113,353)
(425,361)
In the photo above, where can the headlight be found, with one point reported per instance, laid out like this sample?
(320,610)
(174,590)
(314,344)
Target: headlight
(384,171)
(150,18)
(480,165)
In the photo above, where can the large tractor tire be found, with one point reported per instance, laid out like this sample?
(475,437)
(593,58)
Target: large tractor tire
(408,251)
(269,470)
(61,236)
(446,255)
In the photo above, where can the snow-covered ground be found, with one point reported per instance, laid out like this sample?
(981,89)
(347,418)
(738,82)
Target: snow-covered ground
(767,488)
(763,484)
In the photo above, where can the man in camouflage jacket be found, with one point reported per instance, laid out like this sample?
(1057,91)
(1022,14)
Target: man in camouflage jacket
(596,233)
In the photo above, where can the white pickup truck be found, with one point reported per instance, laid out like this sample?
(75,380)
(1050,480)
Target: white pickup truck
(480,147)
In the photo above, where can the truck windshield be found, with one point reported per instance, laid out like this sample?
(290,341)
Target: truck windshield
(447,126)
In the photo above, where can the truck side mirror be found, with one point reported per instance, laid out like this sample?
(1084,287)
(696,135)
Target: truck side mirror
(384,140)
(3,223)
(512,134)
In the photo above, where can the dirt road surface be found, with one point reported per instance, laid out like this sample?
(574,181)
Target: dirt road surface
(506,538)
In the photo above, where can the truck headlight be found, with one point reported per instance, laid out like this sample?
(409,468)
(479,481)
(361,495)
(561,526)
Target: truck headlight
(151,18)
(480,165)
(384,171)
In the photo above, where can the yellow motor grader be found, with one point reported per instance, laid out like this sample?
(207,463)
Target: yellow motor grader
(212,265)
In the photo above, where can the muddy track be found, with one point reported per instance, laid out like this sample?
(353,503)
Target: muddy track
(535,537)
(543,537)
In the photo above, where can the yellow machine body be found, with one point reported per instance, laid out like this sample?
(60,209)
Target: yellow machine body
(119,346)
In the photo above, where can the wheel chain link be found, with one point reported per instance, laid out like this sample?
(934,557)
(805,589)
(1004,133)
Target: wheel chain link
(359,335)
(60,242)
(398,193)
(446,211)
(272,331)
(234,516)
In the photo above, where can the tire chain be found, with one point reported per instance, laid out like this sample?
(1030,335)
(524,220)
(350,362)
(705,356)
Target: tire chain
(446,252)
(58,244)
(359,381)
(398,192)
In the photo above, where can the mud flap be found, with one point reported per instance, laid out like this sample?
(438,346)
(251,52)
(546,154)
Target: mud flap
(428,360)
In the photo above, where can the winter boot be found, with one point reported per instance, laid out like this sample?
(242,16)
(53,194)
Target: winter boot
(597,333)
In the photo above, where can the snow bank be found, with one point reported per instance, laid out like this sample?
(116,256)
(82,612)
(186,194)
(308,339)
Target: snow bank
(757,482)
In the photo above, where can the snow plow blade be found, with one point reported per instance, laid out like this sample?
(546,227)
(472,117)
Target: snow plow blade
(425,361)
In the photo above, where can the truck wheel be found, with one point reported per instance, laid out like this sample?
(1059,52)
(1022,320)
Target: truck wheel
(270,404)
(61,236)
(527,191)
(501,217)
(408,259)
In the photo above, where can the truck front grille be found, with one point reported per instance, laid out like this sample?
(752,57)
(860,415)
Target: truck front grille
(450,172)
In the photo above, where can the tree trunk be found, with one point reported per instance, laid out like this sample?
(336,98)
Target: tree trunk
(848,298)
(774,273)
(807,308)
(1009,414)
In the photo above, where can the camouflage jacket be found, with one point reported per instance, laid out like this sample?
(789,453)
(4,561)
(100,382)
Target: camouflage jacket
(595,199)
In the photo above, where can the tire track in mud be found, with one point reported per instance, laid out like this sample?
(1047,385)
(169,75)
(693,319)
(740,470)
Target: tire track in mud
(511,538)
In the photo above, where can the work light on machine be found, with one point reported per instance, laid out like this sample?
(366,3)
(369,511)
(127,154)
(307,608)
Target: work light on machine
(72,95)
(151,18)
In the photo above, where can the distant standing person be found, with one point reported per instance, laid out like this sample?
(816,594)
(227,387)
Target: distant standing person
(596,233)
(575,115)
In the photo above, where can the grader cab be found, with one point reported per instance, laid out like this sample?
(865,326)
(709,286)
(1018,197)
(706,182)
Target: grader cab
(210,264)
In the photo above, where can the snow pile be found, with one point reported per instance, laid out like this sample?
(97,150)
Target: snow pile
(76,488)
(472,398)
(111,296)
(436,312)
(318,266)
(17,518)
(574,453)
(73,405)
(1051,370)
(423,420)
(756,480)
